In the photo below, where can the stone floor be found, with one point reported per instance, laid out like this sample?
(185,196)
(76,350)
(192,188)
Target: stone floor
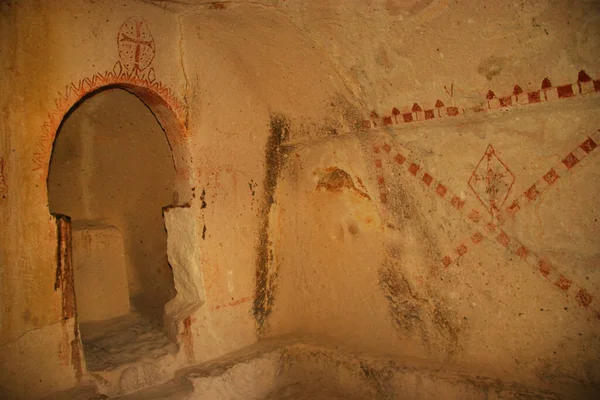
(124,340)
(302,368)
(302,392)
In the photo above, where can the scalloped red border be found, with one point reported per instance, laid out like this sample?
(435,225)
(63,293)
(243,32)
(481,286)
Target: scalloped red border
(75,91)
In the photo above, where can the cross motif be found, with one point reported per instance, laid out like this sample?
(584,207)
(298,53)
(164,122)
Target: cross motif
(136,44)
(491,181)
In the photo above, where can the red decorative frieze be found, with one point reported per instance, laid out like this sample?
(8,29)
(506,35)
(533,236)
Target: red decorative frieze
(134,72)
(518,97)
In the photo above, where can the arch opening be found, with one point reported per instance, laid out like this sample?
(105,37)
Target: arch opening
(112,171)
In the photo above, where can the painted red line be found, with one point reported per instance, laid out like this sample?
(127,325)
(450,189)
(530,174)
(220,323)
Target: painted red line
(446,261)
(493,101)
(544,267)
(490,227)
(477,238)
(565,91)
(427,179)
(400,159)
(457,202)
(551,176)
(533,97)
(583,298)
(570,161)
(452,111)
(563,282)
(503,239)
(532,193)
(475,215)
(233,303)
(382,190)
(505,101)
(514,208)
(522,252)
(441,190)
(414,169)
(588,146)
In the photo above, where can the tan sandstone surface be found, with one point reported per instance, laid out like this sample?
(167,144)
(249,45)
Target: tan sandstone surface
(392,199)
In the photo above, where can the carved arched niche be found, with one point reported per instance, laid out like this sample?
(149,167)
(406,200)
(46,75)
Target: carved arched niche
(119,164)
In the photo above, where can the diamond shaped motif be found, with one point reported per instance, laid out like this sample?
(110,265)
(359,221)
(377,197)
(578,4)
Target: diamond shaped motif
(491,181)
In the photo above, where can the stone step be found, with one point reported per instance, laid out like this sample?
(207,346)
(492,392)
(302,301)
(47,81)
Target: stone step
(286,369)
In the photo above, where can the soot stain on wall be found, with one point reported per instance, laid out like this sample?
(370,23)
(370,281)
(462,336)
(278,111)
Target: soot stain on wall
(416,312)
(380,379)
(66,283)
(415,315)
(405,307)
(64,267)
(266,274)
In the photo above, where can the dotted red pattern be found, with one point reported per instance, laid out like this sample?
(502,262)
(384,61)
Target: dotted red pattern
(473,213)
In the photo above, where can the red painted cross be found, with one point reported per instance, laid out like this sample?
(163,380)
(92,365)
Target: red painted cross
(137,41)
(492,230)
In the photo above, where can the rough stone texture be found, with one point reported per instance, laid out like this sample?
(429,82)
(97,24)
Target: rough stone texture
(376,276)
(100,273)
(432,196)
(111,165)
(51,370)
(184,258)
(251,379)
(286,368)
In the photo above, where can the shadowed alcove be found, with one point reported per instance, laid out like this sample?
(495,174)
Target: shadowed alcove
(112,171)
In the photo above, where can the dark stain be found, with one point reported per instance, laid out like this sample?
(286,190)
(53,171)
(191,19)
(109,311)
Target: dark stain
(218,6)
(380,379)
(65,282)
(265,276)
(491,67)
(337,179)
(340,116)
(353,229)
(64,268)
(203,199)
(252,185)
(350,114)
(77,353)
(442,319)
(411,313)
(405,308)
(204,232)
